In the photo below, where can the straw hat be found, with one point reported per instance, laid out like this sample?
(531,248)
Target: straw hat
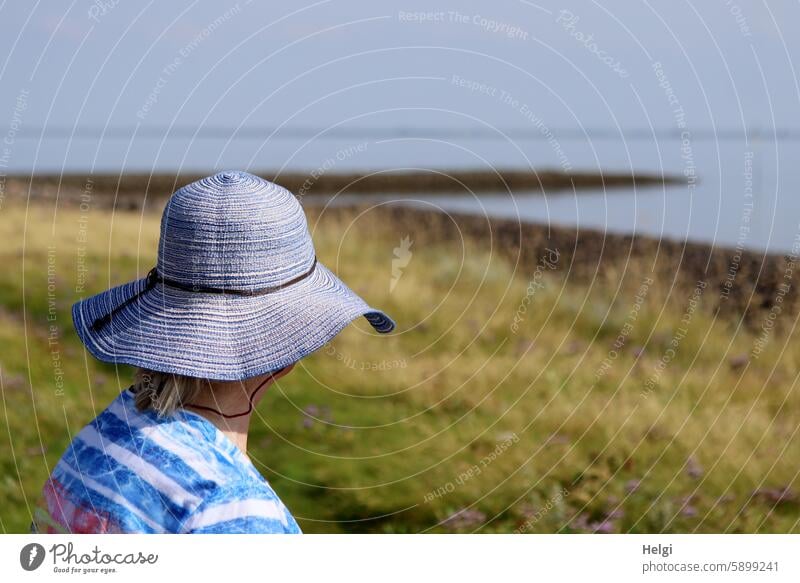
(237,290)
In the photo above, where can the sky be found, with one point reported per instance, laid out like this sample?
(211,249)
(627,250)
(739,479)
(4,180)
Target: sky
(99,83)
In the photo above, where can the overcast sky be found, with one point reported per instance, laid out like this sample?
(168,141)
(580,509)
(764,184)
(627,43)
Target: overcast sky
(507,65)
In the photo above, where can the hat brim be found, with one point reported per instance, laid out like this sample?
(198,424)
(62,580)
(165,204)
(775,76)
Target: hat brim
(221,336)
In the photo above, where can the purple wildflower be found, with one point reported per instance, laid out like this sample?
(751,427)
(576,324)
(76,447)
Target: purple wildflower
(776,496)
(738,361)
(693,468)
(606,526)
(632,486)
(466,518)
(689,511)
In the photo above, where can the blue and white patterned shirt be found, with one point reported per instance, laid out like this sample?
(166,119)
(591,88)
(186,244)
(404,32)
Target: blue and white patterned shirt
(131,471)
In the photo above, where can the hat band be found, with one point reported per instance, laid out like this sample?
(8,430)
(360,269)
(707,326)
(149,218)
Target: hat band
(154,278)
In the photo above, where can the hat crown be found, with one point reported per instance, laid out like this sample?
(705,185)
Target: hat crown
(234,230)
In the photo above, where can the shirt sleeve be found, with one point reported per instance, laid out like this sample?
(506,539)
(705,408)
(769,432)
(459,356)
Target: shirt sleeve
(240,508)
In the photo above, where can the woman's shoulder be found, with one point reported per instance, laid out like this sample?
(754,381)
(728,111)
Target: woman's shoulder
(241,505)
(122,473)
(179,446)
(175,474)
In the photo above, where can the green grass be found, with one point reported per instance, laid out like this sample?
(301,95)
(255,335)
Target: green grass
(456,411)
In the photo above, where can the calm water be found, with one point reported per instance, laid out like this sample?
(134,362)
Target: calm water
(671,213)
(747,193)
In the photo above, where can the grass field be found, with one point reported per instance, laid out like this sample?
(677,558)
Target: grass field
(511,398)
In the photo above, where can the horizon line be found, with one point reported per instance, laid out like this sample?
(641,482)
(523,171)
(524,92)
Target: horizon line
(276,132)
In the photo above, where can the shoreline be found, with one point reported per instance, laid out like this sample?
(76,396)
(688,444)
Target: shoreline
(755,286)
(160,186)
(745,283)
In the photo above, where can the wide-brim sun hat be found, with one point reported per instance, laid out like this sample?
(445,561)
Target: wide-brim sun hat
(237,290)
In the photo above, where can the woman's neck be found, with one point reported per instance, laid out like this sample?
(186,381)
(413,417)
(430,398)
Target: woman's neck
(235,429)
(229,405)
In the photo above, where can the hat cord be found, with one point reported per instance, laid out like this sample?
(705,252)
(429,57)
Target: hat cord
(150,283)
(250,401)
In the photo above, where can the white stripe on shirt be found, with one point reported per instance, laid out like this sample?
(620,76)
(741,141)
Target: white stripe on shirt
(255,507)
(145,470)
(157,435)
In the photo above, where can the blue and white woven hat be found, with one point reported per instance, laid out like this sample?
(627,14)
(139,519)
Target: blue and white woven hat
(237,290)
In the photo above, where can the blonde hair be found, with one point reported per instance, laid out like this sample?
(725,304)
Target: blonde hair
(162,392)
